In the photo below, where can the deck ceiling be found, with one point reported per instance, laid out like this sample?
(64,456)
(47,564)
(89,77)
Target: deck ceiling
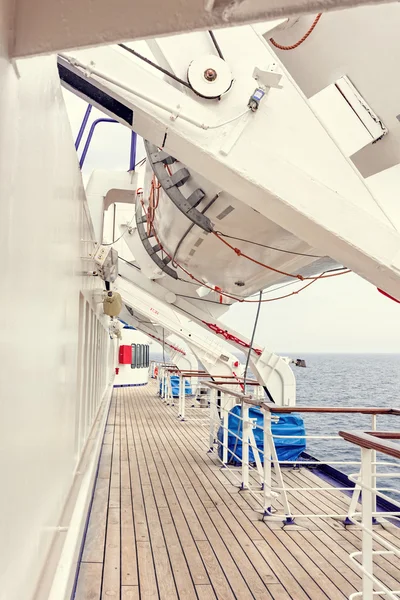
(51,25)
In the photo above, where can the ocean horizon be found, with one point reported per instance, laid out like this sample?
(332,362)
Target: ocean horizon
(348,380)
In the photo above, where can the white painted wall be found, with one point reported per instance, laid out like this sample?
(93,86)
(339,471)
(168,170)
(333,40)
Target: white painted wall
(127,375)
(44,419)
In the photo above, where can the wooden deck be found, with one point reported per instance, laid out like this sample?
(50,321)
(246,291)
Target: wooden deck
(167,522)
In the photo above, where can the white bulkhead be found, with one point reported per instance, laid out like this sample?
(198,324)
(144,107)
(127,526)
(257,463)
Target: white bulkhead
(133,359)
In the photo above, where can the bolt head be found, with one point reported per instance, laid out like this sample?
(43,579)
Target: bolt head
(210,74)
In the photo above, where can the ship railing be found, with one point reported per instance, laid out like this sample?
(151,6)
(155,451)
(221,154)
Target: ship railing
(370,443)
(156,365)
(199,399)
(164,382)
(85,120)
(159,370)
(263,477)
(188,405)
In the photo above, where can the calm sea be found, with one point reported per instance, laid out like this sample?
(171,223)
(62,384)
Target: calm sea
(346,380)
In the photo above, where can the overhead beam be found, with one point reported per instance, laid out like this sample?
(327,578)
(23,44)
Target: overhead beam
(283,192)
(52,25)
(148,298)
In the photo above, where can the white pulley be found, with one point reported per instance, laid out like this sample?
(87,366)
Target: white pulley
(170,297)
(209,76)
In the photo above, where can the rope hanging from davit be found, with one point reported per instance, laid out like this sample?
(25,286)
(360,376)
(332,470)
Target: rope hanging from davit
(301,40)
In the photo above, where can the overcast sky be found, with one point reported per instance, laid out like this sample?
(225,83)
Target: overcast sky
(342,314)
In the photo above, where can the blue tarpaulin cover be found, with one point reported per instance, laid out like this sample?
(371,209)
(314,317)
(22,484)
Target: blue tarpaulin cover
(175,387)
(286,425)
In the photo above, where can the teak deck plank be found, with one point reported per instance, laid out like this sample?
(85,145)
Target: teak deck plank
(130,592)
(205,592)
(252,577)
(168,523)
(89,581)
(112,563)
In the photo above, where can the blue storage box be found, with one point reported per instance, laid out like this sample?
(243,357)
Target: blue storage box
(287,424)
(175,387)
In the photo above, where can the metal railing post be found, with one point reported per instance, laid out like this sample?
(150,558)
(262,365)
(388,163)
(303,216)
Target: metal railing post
(267,464)
(256,454)
(180,396)
(288,516)
(213,413)
(83,126)
(159,380)
(89,138)
(132,155)
(246,427)
(163,384)
(225,421)
(170,397)
(367,542)
(374,469)
(353,502)
(183,412)
(195,391)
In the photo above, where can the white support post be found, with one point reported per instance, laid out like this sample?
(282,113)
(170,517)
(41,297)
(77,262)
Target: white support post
(166,389)
(367,542)
(170,394)
(225,416)
(213,417)
(145,296)
(195,387)
(289,519)
(374,470)
(256,454)
(183,405)
(354,501)
(246,429)
(355,496)
(163,384)
(180,396)
(267,464)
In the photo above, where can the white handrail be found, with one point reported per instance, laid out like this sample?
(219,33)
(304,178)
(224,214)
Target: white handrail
(369,445)
(266,468)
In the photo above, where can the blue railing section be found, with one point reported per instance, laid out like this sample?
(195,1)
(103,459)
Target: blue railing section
(83,126)
(132,153)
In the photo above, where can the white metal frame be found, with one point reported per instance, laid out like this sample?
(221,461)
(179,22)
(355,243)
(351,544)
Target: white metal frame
(371,584)
(148,299)
(268,470)
(265,468)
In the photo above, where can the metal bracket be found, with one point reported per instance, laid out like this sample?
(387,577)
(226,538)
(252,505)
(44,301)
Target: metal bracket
(151,250)
(268,79)
(163,157)
(171,184)
(177,179)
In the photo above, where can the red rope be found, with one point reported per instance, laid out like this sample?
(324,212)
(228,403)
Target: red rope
(301,40)
(257,262)
(154,198)
(223,293)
